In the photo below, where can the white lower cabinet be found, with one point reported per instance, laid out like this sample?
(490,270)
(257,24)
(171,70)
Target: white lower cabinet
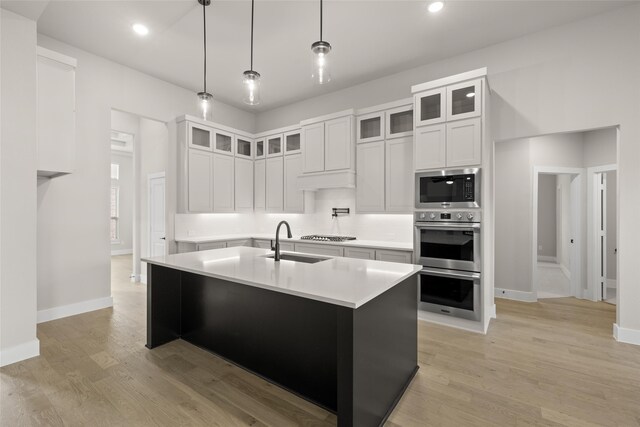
(394,256)
(274,184)
(293,198)
(430,150)
(241,242)
(464,141)
(244,185)
(399,175)
(200,181)
(362,253)
(319,249)
(370,177)
(211,245)
(259,186)
(262,244)
(223,183)
(184,247)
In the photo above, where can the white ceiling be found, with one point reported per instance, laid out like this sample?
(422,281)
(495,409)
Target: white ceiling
(370,39)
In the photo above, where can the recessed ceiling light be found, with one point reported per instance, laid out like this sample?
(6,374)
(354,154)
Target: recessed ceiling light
(140,29)
(435,6)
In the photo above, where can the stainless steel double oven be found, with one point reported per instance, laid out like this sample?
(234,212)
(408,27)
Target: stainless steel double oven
(448,244)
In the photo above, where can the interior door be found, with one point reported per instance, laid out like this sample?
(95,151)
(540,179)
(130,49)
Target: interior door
(602,235)
(157,241)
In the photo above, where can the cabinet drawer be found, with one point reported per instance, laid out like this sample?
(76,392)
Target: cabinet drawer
(262,244)
(362,253)
(211,245)
(394,256)
(318,249)
(241,242)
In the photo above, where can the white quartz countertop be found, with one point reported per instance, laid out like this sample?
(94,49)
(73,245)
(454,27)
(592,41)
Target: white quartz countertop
(375,244)
(348,282)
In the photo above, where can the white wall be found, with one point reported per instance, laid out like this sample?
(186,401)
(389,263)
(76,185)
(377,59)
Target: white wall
(18,197)
(547,229)
(125,186)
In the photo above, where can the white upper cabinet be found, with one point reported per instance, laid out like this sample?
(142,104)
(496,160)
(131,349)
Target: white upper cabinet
(244,147)
(223,183)
(199,181)
(259,185)
(430,148)
(223,142)
(399,122)
(399,175)
(260,148)
(292,142)
(370,187)
(338,146)
(200,137)
(464,100)
(293,198)
(244,185)
(313,148)
(464,142)
(56,113)
(274,184)
(430,107)
(370,127)
(274,146)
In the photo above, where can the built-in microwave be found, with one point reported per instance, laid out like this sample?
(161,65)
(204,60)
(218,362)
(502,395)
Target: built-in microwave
(453,188)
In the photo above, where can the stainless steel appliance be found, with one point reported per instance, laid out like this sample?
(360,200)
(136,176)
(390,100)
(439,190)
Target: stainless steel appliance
(449,247)
(453,188)
(322,238)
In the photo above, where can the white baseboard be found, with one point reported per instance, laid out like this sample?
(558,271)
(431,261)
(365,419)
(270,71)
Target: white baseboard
(73,309)
(20,352)
(629,336)
(545,258)
(516,295)
(121,252)
(612,283)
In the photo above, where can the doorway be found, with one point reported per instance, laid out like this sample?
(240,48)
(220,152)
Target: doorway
(156,214)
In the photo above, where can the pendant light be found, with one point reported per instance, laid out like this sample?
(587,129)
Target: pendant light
(205,98)
(251,78)
(320,49)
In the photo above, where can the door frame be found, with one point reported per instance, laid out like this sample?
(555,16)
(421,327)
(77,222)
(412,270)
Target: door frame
(592,216)
(151,177)
(576,217)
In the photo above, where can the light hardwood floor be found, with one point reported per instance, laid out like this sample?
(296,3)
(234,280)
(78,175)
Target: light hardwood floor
(550,363)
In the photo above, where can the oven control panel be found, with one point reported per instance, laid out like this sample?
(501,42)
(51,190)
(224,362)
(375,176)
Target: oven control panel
(439,216)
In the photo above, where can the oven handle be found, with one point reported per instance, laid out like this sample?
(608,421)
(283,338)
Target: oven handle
(447,225)
(450,273)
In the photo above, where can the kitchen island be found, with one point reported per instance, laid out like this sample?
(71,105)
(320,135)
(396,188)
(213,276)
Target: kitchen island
(339,332)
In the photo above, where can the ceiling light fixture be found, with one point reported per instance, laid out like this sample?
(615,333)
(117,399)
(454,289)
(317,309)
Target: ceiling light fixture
(251,78)
(140,29)
(471,94)
(204,97)
(320,49)
(435,6)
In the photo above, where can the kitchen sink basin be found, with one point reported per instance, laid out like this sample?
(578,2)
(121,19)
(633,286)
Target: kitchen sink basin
(308,259)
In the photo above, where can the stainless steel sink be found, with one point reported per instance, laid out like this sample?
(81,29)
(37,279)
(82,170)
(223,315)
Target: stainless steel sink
(309,259)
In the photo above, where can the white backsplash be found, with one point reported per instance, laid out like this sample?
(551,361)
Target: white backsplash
(317,219)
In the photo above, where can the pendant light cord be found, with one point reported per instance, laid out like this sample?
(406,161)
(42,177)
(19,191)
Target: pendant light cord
(204,20)
(320,20)
(252,6)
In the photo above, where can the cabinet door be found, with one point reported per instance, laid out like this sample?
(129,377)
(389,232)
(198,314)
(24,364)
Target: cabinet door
(292,142)
(464,141)
(464,100)
(242,242)
(244,147)
(223,183)
(430,147)
(200,181)
(394,256)
(223,142)
(274,146)
(211,245)
(399,175)
(259,188)
(262,244)
(244,185)
(313,148)
(274,184)
(260,150)
(200,137)
(399,122)
(370,127)
(320,249)
(293,198)
(362,253)
(370,177)
(338,142)
(430,107)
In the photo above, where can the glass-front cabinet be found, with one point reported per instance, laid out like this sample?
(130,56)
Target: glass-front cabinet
(223,142)
(260,151)
(370,127)
(274,146)
(399,122)
(244,147)
(464,100)
(292,142)
(430,107)
(200,137)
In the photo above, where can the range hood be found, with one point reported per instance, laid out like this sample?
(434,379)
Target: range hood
(323,180)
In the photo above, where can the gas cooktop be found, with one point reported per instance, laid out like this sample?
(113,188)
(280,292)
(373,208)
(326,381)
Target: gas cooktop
(321,238)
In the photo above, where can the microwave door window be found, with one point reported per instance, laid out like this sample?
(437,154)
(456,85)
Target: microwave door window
(447,291)
(447,244)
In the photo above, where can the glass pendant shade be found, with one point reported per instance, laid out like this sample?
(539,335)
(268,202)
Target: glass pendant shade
(251,84)
(320,65)
(205,103)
